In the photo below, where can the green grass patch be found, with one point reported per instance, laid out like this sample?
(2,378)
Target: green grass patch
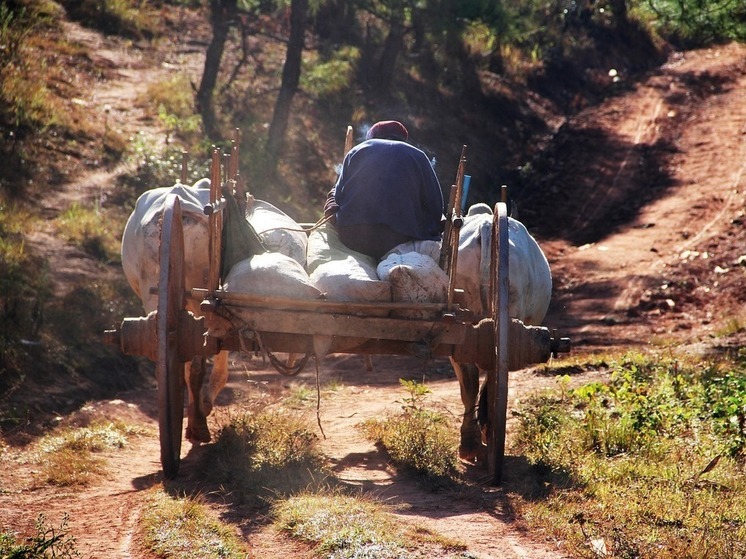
(417,439)
(649,464)
(186,528)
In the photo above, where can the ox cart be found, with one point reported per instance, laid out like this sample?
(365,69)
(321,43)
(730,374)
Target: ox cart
(172,336)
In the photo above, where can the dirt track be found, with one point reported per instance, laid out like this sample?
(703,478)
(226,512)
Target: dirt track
(609,292)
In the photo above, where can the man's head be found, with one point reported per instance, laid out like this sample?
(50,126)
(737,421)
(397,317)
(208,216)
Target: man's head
(388,130)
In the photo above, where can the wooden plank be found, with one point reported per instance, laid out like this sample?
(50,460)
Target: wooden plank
(294,343)
(342,325)
(323,305)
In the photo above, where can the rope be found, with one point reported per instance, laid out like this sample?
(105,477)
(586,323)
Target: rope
(274,361)
(318,398)
(313,227)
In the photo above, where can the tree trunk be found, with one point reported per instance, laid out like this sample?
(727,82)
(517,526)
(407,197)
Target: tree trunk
(619,10)
(387,63)
(222,13)
(290,79)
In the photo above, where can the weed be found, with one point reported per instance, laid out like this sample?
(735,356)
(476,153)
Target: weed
(47,542)
(341,526)
(24,290)
(128,18)
(92,229)
(154,165)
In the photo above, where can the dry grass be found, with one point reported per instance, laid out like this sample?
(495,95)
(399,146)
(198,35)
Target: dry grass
(72,456)
(93,229)
(343,526)
(186,528)
(271,452)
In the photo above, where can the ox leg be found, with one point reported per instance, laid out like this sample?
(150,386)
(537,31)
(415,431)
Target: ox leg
(196,430)
(218,378)
(470,448)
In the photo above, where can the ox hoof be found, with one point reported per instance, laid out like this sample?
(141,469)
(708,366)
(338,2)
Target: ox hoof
(198,435)
(206,407)
(472,454)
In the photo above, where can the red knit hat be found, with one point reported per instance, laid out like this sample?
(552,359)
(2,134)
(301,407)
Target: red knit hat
(388,130)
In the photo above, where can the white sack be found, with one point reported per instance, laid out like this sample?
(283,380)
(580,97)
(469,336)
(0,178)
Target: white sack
(271,274)
(344,274)
(279,232)
(414,278)
(427,248)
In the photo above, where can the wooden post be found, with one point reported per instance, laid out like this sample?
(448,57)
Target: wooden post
(215,222)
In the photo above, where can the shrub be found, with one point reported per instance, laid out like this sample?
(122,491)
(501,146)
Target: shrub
(417,439)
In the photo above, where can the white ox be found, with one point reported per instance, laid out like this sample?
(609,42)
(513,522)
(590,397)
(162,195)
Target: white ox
(140,261)
(530,291)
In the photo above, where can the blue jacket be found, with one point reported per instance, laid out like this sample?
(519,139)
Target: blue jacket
(392,183)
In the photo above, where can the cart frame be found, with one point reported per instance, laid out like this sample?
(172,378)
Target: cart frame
(172,336)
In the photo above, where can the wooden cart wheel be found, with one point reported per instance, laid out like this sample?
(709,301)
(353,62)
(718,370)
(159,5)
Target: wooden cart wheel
(169,367)
(497,376)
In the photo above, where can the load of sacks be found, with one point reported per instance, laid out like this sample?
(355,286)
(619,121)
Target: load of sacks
(318,265)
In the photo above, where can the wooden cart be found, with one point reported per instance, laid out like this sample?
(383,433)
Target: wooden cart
(172,336)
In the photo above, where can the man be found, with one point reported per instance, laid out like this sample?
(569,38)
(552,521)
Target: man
(387,193)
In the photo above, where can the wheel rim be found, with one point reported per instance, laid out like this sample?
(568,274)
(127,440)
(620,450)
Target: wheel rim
(169,368)
(497,376)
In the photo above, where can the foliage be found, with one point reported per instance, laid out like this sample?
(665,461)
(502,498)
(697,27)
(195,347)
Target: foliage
(185,528)
(417,439)
(332,78)
(153,165)
(692,23)
(47,542)
(648,462)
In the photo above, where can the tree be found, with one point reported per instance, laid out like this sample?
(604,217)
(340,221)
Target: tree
(290,79)
(222,14)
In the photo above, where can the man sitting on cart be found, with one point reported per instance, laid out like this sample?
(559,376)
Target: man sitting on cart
(387,193)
